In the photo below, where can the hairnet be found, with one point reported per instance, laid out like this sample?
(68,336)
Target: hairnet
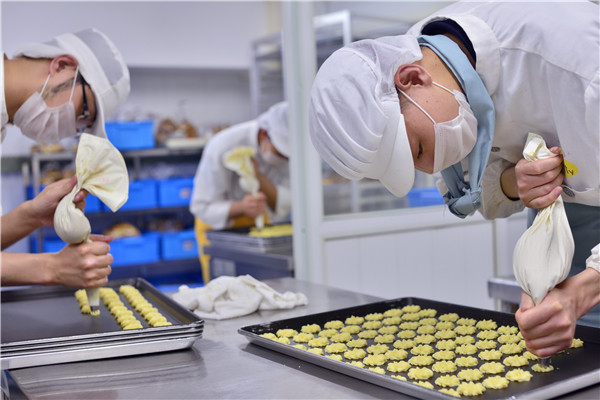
(275,122)
(100,63)
(355,119)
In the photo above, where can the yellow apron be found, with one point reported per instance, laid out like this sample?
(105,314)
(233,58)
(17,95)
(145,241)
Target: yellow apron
(200,227)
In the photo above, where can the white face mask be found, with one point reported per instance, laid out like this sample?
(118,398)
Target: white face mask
(270,158)
(47,124)
(454,139)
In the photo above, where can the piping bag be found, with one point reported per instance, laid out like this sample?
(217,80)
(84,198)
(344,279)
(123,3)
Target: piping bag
(100,170)
(542,256)
(239,160)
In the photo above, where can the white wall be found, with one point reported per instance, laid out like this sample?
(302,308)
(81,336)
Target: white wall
(192,52)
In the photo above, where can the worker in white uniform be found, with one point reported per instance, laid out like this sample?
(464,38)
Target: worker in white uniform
(458,94)
(51,91)
(219,202)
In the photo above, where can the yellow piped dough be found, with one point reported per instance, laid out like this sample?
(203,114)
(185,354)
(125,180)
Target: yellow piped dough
(420,373)
(518,375)
(515,361)
(495,382)
(444,367)
(336,348)
(398,366)
(450,392)
(447,381)
(354,320)
(356,354)
(493,367)
(404,344)
(470,374)
(470,389)
(541,368)
(375,360)
(396,354)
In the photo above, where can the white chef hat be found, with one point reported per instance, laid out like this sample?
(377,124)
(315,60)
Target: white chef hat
(275,122)
(100,63)
(355,119)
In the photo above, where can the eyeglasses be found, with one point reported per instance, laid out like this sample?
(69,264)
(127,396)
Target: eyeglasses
(83,121)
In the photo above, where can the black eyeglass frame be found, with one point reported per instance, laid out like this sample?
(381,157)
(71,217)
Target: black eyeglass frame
(86,110)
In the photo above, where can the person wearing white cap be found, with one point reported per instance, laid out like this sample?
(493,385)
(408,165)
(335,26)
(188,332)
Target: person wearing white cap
(219,201)
(51,91)
(458,94)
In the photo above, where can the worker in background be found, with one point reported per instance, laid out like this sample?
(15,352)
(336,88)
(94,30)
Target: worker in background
(458,94)
(219,202)
(54,90)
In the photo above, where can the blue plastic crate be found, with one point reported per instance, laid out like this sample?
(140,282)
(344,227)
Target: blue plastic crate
(179,245)
(49,245)
(175,192)
(142,195)
(142,249)
(131,135)
(421,197)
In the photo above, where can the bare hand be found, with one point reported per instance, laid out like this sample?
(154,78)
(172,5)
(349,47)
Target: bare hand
(538,182)
(45,203)
(85,265)
(548,327)
(253,206)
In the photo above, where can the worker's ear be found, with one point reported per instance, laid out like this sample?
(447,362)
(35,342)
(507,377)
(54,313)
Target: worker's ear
(262,134)
(62,63)
(409,75)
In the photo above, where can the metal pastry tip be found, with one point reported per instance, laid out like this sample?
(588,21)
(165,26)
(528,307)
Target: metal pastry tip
(545,361)
(95,310)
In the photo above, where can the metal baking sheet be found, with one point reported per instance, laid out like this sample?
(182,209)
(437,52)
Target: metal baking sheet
(46,326)
(239,238)
(573,369)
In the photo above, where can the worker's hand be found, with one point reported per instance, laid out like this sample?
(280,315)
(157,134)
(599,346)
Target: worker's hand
(253,206)
(84,265)
(538,182)
(548,327)
(44,205)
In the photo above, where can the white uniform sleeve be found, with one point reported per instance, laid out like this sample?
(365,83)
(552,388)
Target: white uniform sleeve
(284,203)
(494,203)
(210,202)
(593,261)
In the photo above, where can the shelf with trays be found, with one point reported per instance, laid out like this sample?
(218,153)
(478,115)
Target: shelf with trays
(161,246)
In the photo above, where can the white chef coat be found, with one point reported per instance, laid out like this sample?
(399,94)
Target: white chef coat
(3,110)
(540,65)
(216,187)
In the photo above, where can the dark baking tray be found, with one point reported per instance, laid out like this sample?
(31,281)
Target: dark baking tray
(239,238)
(574,368)
(43,321)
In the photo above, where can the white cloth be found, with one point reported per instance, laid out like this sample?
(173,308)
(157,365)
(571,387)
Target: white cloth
(229,297)
(542,73)
(216,187)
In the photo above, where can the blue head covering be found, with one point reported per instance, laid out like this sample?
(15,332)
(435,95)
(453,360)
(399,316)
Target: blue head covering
(463,198)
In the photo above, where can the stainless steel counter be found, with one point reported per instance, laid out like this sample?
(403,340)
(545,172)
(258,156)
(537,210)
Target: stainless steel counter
(220,365)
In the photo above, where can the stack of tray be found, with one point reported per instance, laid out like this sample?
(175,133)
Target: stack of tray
(573,369)
(43,325)
(238,238)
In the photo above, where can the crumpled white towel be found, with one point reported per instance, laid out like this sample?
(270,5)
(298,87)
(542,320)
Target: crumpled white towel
(233,296)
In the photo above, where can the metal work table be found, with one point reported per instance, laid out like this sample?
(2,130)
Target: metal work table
(507,290)
(220,365)
(261,265)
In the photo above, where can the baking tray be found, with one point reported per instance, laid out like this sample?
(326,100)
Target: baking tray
(43,325)
(573,369)
(239,239)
